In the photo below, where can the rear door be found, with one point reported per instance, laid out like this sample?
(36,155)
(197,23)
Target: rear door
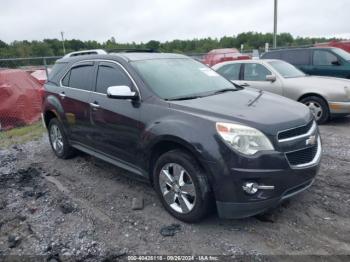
(75,96)
(301,58)
(231,72)
(327,63)
(115,122)
(254,75)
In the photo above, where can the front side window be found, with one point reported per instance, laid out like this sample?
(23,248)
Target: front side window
(324,58)
(343,54)
(179,77)
(110,75)
(255,72)
(230,71)
(79,77)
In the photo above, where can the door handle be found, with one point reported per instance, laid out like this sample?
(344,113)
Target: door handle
(245,85)
(94,106)
(62,95)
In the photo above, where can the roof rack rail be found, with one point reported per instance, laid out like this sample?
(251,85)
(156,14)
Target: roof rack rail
(86,52)
(133,50)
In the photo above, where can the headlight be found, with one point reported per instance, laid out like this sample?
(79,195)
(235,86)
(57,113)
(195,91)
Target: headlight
(244,139)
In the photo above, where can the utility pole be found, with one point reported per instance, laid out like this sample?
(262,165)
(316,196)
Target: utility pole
(275,24)
(62,36)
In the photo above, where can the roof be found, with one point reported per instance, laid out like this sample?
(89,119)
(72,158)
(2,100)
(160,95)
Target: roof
(301,48)
(128,56)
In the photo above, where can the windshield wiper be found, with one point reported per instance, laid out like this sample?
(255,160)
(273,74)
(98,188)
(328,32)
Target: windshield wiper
(183,98)
(256,98)
(224,90)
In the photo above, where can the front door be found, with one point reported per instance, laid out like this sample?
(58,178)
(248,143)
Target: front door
(115,122)
(325,63)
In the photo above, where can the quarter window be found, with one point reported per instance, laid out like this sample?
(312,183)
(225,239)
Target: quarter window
(230,71)
(255,72)
(110,75)
(79,77)
(324,58)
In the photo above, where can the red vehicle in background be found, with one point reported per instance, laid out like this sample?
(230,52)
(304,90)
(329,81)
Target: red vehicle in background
(221,55)
(345,45)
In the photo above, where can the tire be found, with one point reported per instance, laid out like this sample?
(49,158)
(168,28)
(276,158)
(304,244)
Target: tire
(61,146)
(318,107)
(193,186)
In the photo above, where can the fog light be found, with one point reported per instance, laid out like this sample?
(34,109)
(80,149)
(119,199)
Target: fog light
(252,187)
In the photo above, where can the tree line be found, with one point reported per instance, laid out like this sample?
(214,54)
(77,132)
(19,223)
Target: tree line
(250,40)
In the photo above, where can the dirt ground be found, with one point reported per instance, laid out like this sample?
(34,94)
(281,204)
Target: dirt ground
(82,208)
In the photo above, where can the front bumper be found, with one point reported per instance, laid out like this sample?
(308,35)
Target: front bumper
(339,108)
(279,180)
(231,210)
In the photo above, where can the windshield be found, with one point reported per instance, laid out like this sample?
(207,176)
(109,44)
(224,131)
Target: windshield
(343,54)
(286,70)
(180,77)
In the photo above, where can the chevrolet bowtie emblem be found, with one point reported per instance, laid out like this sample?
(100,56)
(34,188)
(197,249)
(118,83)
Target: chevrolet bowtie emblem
(311,140)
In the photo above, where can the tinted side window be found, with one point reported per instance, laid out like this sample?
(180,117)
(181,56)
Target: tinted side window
(255,72)
(296,57)
(80,77)
(322,57)
(231,71)
(272,55)
(110,75)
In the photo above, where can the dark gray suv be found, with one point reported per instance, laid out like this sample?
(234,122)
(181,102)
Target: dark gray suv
(197,138)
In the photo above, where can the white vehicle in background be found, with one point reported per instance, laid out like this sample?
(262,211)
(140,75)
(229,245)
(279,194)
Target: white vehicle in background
(325,96)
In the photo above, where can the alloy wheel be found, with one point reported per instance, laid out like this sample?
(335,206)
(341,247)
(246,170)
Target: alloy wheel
(315,108)
(56,139)
(177,188)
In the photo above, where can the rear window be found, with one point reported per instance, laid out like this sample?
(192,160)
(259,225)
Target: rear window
(296,57)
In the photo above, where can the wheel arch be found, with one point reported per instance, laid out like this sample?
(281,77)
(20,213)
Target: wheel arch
(48,115)
(169,143)
(312,94)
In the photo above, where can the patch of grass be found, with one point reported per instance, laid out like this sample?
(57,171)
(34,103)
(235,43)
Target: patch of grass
(21,135)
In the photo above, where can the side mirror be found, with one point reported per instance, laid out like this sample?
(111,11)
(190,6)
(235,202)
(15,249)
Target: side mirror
(336,63)
(271,78)
(120,92)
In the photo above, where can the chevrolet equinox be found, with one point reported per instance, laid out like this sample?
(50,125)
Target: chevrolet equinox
(196,137)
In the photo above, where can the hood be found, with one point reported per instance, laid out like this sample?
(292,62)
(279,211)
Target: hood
(319,81)
(267,112)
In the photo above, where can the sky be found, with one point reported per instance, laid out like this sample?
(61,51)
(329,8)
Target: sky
(162,20)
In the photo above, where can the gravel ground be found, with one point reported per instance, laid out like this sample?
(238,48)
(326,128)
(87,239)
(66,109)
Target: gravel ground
(82,208)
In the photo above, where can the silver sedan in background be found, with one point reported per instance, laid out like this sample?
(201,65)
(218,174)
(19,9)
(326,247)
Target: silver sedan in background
(325,96)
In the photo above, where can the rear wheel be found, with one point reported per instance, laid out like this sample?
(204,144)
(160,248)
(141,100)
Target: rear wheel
(58,140)
(318,107)
(182,186)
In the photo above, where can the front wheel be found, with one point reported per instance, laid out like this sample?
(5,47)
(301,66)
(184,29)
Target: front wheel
(318,107)
(182,186)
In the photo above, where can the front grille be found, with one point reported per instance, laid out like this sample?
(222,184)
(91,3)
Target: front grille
(303,156)
(295,131)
